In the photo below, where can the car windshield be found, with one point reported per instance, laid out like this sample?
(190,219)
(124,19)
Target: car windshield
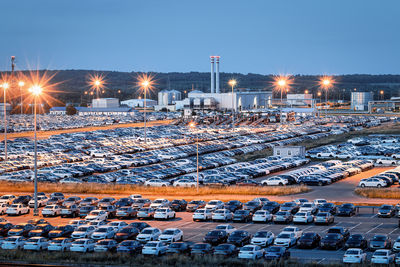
(162,210)
(147,232)
(102,230)
(145,210)
(308,235)
(214,233)
(283,236)
(57,241)
(158,201)
(127,243)
(11,239)
(194,202)
(223,247)
(260,212)
(380,253)
(104,242)
(281,213)
(332,237)
(322,214)
(19,227)
(261,234)
(126,230)
(151,245)
(82,229)
(352,252)
(347,206)
(356,237)
(246,249)
(199,246)
(213,203)
(79,242)
(240,212)
(175,245)
(379,238)
(168,232)
(273,249)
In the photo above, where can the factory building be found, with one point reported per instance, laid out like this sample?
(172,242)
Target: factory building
(139,103)
(359,100)
(105,103)
(299,99)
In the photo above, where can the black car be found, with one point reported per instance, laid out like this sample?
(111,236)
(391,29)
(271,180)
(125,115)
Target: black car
(339,230)
(291,207)
(233,205)
(130,246)
(22,200)
(178,205)
(252,206)
(239,238)
(276,253)
(242,216)
(216,237)
(271,206)
(140,225)
(122,202)
(5,227)
(178,248)
(226,250)
(346,209)
(195,204)
(332,241)
(126,233)
(309,240)
(328,207)
(61,231)
(41,230)
(201,249)
(386,211)
(356,241)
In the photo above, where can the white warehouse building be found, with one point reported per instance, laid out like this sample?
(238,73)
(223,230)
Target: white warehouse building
(134,103)
(105,103)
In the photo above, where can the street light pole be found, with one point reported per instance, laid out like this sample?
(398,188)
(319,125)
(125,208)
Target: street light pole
(21,84)
(232,84)
(144,115)
(197,148)
(5,87)
(35,211)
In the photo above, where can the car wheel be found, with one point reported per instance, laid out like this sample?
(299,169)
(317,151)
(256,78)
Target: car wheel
(362,185)
(280,184)
(379,186)
(319,183)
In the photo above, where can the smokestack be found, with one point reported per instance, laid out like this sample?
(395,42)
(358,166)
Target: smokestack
(217,75)
(212,74)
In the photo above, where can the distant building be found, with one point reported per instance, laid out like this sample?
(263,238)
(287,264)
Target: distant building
(299,99)
(289,151)
(83,111)
(168,97)
(58,111)
(134,103)
(359,100)
(105,103)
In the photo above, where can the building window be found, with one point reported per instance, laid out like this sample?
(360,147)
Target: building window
(289,152)
(278,152)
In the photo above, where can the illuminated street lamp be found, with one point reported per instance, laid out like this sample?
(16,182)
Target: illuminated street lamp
(21,84)
(306,91)
(5,86)
(192,125)
(326,83)
(382,93)
(35,90)
(145,84)
(232,83)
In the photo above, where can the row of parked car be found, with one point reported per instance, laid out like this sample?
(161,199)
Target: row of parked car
(383,179)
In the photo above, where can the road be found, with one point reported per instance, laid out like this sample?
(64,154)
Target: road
(365,222)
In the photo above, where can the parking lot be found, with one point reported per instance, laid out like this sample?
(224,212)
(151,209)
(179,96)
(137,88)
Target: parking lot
(365,222)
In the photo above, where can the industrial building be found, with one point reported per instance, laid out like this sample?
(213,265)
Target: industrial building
(135,103)
(105,103)
(359,100)
(299,99)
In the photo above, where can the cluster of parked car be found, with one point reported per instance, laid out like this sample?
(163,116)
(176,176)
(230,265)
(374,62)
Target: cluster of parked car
(383,179)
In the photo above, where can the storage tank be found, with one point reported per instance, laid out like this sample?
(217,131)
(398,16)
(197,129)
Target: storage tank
(359,100)
(168,97)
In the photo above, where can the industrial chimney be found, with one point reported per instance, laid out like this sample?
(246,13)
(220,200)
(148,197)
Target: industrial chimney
(217,75)
(212,74)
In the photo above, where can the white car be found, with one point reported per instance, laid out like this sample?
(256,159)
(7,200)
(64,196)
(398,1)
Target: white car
(17,209)
(396,245)
(354,255)
(303,217)
(229,229)
(372,182)
(164,214)
(84,231)
(263,238)
(262,216)
(118,225)
(96,224)
(97,215)
(222,215)
(171,235)
(202,215)
(36,243)
(3,208)
(292,229)
(103,232)
(214,205)
(154,248)
(148,234)
(135,196)
(41,200)
(382,256)
(319,201)
(386,162)
(13,242)
(285,240)
(251,252)
(185,183)
(308,206)
(51,210)
(105,245)
(77,223)
(82,245)
(156,183)
(7,199)
(59,244)
(159,203)
(275,181)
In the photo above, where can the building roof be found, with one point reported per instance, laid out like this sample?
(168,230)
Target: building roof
(58,109)
(85,109)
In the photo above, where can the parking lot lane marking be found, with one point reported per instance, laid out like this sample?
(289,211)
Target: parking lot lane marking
(351,228)
(393,231)
(320,261)
(376,227)
(184,224)
(311,226)
(243,226)
(265,227)
(195,236)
